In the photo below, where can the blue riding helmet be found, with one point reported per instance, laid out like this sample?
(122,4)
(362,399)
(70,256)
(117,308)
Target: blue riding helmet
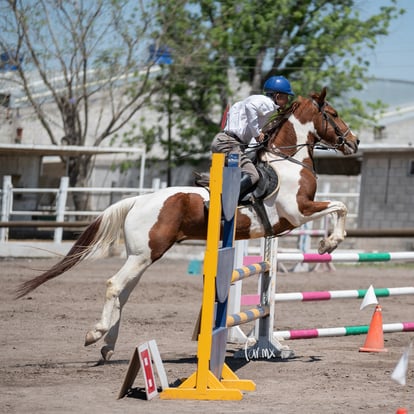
(278,84)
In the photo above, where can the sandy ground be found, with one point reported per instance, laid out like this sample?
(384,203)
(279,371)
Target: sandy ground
(44,367)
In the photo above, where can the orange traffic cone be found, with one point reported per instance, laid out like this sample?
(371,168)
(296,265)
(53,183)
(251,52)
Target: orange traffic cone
(375,337)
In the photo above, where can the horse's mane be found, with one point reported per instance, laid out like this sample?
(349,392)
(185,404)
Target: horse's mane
(276,121)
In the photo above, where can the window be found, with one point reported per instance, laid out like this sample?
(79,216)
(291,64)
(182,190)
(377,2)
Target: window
(411,167)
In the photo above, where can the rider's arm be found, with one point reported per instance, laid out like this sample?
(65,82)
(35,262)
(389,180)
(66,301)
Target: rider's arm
(258,109)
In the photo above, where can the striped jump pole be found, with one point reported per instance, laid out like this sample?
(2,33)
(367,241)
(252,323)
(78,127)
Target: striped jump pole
(341,294)
(346,257)
(328,295)
(250,270)
(341,331)
(247,316)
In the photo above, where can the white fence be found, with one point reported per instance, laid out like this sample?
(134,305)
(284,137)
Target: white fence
(59,209)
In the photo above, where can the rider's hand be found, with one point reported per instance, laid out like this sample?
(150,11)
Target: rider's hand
(260,138)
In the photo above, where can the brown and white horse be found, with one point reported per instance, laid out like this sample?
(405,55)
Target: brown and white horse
(152,223)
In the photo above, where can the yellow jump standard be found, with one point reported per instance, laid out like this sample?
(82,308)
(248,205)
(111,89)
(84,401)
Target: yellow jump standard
(203,384)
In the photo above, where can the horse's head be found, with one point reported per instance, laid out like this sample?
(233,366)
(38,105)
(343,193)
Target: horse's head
(330,128)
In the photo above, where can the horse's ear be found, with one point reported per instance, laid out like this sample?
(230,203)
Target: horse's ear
(322,96)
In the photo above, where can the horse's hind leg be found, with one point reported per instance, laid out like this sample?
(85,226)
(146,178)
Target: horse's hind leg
(118,289)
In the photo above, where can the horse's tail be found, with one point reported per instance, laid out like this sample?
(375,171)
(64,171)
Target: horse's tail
(103,231)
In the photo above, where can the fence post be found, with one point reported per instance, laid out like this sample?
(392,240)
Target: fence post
(142,172)
(61,198)
(156,184)
(6,206)
(304,245)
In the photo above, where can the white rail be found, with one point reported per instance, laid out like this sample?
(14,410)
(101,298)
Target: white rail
(60,210)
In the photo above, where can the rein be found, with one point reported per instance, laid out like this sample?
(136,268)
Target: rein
(287,157)
(341,140)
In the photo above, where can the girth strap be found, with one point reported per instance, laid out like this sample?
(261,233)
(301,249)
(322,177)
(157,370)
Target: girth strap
(261,212)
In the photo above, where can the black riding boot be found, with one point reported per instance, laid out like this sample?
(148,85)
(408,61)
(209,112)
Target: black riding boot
(246,185)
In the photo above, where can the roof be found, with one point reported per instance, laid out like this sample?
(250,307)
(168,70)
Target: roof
(379,147)
(65,150)
(335,163)
(396,94)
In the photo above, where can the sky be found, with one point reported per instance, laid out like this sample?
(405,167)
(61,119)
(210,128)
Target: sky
(393,57)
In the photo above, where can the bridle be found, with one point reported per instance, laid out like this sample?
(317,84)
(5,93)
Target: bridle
(340,136)
(327,120)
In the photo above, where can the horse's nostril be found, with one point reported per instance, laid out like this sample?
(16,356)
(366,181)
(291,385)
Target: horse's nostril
(357,141)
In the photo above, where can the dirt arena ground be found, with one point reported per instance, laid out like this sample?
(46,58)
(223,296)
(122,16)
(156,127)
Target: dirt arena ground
(44,367)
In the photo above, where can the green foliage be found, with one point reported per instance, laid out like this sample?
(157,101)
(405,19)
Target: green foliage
(219,44)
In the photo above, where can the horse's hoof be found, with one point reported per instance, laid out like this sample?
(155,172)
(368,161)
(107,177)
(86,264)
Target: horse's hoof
(325,246)
(107,352)
(322,247)
(92,337)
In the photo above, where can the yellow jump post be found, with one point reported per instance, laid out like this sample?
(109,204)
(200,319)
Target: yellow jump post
(204,384)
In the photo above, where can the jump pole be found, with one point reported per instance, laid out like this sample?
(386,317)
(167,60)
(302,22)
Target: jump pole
(339,294)
(341,331)
(350,257)
(329,295)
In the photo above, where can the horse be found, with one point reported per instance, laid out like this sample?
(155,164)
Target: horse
(152,223)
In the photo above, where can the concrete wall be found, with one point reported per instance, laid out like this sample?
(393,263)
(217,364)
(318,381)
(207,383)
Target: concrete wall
(387,190)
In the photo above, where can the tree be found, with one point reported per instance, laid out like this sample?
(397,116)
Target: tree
(194,87)
(99,49)
(85,53)
(219,44)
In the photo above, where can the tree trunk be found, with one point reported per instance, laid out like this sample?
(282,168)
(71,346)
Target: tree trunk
(78,171)
(257,83)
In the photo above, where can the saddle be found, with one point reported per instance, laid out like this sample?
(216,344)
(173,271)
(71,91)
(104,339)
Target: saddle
(268,183)
(267,186)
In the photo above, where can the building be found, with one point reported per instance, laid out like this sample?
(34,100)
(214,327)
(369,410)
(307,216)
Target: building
(382,173)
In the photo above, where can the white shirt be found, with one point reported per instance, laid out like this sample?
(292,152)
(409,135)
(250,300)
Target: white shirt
(246,118)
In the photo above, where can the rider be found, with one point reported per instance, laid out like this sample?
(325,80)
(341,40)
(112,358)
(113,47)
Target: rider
(245,121)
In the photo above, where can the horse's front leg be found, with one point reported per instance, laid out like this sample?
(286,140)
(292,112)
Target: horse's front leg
(118,289)
(309,210)
(338,213)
